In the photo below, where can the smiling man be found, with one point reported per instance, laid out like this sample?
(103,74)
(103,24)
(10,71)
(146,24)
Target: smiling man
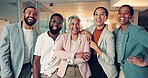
(45,62)
(17,46)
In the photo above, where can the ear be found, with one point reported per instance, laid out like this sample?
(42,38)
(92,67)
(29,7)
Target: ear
(105,18)
(23,15)
(131,17)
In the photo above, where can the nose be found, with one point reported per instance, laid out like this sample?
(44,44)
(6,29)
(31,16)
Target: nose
(122,14)
(99,16)
(55,23)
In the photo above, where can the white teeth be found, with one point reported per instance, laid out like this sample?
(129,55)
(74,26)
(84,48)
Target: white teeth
(74,29)
(122,18)
(54,27)
(30,19)
(98,20)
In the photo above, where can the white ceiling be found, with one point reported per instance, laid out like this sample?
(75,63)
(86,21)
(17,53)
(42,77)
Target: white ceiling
(82,8)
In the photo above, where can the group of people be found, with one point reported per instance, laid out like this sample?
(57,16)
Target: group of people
(94,52)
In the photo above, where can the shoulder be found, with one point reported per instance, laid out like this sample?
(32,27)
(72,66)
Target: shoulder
(83,36)
(136,29)
(64,35)
(43,35)
(12,26)
(90,28)
(108,32)
(116,31)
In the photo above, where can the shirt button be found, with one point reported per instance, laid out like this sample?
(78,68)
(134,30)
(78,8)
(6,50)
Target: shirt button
(123,62)
(48,63)
(45,70)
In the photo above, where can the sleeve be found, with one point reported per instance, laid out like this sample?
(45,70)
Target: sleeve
(5,53)
(38,46)
(60,51)
(89,29)
(85,48)
(109,55)
(142,36)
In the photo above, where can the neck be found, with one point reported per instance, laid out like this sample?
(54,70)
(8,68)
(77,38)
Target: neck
(53,36)
(123,27)
(24,25)
(100,27)
(74,37)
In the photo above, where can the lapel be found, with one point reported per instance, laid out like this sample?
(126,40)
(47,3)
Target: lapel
(92,29)
(68,46)
(34,36)
(125,38)
(102,36)
(22,41)
(20,33)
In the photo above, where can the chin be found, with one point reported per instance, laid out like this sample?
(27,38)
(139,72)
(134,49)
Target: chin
(75,33)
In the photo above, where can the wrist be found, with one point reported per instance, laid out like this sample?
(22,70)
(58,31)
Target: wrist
(97,49)
(10,76)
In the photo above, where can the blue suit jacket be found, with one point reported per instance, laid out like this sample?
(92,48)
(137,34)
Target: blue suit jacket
(12,50)
(135,43)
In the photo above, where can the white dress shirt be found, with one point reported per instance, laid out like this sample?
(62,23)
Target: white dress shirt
(45,48)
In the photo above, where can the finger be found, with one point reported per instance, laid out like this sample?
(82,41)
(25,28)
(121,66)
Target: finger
(85,56)
(130,61)
(87,53)
(90,38)
(131,57)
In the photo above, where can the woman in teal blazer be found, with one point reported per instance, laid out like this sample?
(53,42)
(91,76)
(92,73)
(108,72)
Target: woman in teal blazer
(132,54)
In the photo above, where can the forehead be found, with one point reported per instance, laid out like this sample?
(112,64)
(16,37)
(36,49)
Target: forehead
(56,18)
(31,9)
(74,19)
(124,9)
(100,10)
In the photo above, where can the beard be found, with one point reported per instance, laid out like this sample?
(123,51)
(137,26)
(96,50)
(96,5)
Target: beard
(54,31)
(29,23)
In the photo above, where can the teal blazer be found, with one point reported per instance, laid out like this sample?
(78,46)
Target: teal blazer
(135,43)
(12,50)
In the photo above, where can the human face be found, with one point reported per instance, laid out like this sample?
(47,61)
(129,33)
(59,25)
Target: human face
(100,17)
(74,26)
(124,16)
(55,25)
(30,16)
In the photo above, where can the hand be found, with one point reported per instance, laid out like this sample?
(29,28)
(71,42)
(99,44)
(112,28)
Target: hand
(11,76)
(88,34)
(83,55)
(93,45)
(137,61)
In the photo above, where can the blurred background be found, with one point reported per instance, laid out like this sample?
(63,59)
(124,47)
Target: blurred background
(11,11)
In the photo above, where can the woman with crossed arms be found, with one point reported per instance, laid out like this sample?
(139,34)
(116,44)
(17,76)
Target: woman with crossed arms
(74,52)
